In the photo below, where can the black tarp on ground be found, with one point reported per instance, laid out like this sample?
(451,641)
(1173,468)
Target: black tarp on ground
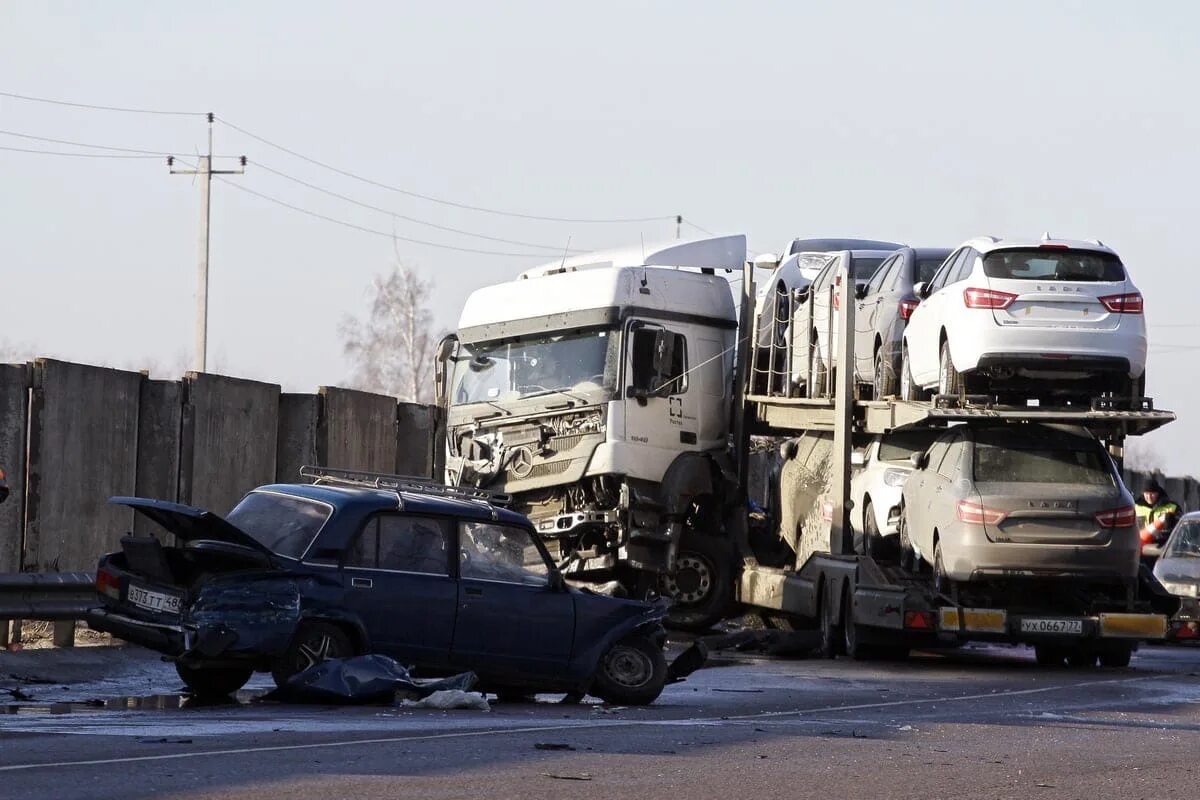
(363,679)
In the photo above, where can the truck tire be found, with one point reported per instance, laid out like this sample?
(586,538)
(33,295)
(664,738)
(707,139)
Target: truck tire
(632,673)
(1048,655)
(852,644)
(1081,658)
(831,634)
(213,681)
(312,643)
(701,588)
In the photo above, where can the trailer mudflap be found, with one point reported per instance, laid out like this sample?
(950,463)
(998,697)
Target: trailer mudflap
(1133,626)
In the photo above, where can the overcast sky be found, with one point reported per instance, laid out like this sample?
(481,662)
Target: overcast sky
(927,123)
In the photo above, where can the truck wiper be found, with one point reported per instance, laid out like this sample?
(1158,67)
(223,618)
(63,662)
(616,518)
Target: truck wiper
(577,398)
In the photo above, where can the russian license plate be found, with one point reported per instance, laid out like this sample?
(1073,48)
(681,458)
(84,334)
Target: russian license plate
(1067,626)
(153,601)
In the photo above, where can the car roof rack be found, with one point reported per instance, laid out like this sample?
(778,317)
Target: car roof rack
(400,483)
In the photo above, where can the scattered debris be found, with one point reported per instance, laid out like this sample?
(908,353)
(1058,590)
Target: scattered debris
(553,746)
(164,740)
(740,691)
(906,728)
(19,694)
(447,699)
(687,662)
(582,776)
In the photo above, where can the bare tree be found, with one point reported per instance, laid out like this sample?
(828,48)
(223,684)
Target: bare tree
(393,348)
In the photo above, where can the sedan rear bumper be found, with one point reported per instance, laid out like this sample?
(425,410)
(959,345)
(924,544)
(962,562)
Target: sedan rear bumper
(1121,350)
(171,640)
(968,555)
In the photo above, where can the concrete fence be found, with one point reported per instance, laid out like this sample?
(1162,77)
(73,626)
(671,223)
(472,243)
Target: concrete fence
(73,435)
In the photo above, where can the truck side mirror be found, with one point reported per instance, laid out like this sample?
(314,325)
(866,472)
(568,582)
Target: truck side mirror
(447,350)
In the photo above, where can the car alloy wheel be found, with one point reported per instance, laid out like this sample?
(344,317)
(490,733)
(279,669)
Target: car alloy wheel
(317,649)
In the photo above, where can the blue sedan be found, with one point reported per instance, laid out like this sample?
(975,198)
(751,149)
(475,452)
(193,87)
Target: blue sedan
(433,577)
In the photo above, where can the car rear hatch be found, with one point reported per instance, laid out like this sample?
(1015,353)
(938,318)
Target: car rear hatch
(1042,484)
(1053,286)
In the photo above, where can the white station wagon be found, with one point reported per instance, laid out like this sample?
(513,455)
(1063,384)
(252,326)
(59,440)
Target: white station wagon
(1048,318)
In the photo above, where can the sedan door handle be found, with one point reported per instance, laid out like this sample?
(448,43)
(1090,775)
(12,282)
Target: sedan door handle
(471,592)
(362,583)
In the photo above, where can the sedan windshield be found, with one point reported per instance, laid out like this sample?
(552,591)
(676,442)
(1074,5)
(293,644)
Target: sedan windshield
(534,365)
(1047,264)
(1185,540)
(282,524)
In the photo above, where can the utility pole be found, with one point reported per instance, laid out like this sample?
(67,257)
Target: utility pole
(679,226)
(205,170)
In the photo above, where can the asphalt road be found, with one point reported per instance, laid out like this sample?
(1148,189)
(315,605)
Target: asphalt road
(978,722)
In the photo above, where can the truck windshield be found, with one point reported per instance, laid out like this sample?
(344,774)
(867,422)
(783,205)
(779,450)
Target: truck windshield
(1185,540)
(533,365)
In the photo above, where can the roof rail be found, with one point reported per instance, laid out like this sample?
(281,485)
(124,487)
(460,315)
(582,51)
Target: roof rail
(401,483)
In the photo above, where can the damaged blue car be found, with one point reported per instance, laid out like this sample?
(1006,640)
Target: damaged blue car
(438,578)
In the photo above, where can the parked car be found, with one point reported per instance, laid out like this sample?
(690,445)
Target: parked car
(1178,566)
(1030,318)
(875,489)
(994,502)
(821,339)
(428,575)
(835,244)
(884,305)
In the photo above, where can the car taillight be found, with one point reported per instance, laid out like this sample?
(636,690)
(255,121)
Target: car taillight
(108,584)
(1123,517)
(987,298)
(907,307)
(1124,303)
(978,514)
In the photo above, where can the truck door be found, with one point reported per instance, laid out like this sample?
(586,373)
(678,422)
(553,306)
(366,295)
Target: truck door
(659,412)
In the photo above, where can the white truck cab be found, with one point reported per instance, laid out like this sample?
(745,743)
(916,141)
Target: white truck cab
(595,390)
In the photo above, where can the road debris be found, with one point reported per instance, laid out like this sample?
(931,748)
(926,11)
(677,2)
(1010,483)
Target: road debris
(553,746)
(449,699)
(582,776)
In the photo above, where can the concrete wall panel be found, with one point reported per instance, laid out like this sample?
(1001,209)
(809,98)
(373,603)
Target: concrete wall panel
(159,418)
(83,449)
(14,408)
(357,430)
(415,434)
(230,432)
(296,444)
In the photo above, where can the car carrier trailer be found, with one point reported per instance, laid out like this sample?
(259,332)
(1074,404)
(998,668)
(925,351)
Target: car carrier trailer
(864,608)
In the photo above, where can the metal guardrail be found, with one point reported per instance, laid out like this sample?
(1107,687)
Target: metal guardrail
(47,595)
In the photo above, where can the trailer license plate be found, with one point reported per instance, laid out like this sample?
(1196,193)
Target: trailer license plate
(153,601)
(1068,626)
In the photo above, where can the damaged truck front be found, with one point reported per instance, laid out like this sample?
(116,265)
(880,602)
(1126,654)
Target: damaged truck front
(595,391)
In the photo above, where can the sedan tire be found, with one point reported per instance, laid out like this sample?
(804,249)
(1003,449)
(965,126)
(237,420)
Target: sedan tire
(213,681)
(885,376)
(950,382)
(908,388)
(632,673)
(313,643)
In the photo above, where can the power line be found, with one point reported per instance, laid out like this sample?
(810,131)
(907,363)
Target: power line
(552,247)
(75,155)
(99,107)
(156,153)
(441,201)
(377,232)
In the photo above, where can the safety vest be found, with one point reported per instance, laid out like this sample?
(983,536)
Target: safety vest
(1154,522)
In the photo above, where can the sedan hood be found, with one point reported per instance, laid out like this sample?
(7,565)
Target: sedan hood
(190,523)
(1178,569)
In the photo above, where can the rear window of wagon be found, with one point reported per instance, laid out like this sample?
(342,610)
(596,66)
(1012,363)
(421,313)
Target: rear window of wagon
(1050,264)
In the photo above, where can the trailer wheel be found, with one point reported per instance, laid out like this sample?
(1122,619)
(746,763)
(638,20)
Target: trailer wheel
(1080,658)
(1116,658)
(701,587)
(851,632)
(831,635)
(1048,655)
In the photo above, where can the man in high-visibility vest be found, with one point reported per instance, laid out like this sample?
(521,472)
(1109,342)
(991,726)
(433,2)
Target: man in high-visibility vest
(1156,515)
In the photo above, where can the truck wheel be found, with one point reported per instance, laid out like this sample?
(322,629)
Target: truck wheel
(831,635)
(1080,658)
(213,681)
(949,380)
(632,673)
(1048,655)
(312,643)
(701,587)
(1116,658)
(885,376)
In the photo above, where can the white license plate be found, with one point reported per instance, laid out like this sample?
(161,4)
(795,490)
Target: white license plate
(1068,626)
(153,601)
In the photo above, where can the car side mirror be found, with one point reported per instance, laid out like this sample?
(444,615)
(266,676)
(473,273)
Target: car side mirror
(921,289)
(917,460)
(858,458)
(860,291)
(557,582)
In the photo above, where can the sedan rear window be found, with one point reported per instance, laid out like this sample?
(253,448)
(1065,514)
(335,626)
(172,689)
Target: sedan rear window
(863,269)
(899,446)
(1045,264)
(283,524)
(1021,457)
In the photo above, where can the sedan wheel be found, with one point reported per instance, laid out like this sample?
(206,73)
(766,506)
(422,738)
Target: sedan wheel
(313,643)
(949,380)
(885,376)
(632,672)
(908,388)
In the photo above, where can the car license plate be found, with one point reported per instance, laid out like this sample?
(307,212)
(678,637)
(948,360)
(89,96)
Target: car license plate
(153,601)
(1067,626)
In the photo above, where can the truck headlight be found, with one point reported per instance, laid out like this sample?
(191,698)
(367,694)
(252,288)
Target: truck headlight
(895,477)
(1181,589)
